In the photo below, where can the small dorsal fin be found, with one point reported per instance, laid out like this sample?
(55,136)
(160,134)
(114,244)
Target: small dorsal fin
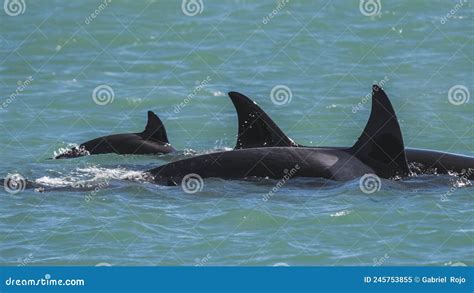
(155,130)
(381,144)
(256,129)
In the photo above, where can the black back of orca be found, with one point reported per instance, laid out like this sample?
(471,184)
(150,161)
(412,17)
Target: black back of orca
(153,140)
(368,155)
(380,146)
(434,162)
(388,136)
(265,162)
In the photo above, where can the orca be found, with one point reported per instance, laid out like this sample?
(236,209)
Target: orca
(264,151)
(153,140)
(257,129)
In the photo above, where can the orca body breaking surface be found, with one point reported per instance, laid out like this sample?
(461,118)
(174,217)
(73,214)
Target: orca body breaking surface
(254,123)
(153,141)
(264,151)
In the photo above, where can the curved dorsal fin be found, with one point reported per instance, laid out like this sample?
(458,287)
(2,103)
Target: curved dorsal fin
(381,144)
(155,130)
(256,129)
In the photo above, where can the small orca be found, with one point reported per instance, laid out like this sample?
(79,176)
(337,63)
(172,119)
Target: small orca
(264,151)
(257,129)
(153,140)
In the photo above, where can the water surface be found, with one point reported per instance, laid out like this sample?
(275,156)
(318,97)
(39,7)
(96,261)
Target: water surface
(154,57)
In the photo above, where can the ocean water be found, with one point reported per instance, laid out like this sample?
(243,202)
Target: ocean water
(321,57)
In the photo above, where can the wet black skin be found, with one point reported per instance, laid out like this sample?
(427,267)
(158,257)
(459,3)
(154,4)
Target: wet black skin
(274,162)
(423,161)
(264,153)
(152,141)
(263,150)
(420,160)
(130,143)
(441,162)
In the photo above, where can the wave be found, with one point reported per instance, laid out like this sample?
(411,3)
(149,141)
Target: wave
(92,176)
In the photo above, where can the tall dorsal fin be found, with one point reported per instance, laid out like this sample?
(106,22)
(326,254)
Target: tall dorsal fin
(256,129)
(155,130)
(381,144)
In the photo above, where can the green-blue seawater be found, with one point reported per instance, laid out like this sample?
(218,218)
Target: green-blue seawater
(161,55)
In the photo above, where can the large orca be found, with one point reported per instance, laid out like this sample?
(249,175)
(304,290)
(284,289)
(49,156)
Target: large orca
(264,151)
(153,140)
(257,129)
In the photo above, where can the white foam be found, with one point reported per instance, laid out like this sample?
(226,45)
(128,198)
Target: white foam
(56,182)
(218,94)
(115,173)
(91,176)
(281,264)
(340,214)
(71,149)
(455,264)
(461,182)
